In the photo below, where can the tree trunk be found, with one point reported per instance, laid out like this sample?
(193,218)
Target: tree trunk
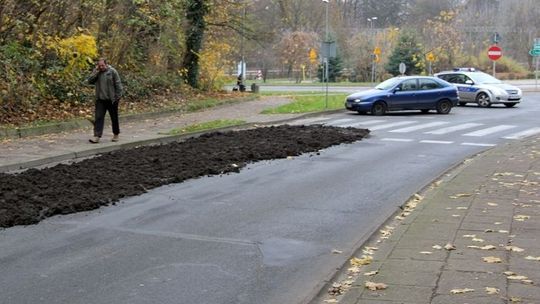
(196,10)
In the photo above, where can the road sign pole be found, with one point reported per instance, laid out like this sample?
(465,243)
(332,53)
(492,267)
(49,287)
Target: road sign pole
(536,75)
(494,67)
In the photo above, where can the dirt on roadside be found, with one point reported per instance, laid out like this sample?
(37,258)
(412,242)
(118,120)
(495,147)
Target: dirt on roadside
(33,195)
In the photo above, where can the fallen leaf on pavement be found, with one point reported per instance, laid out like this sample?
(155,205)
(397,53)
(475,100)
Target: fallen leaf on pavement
(456,215)
(487,247)
(488,230)
(493,204)
(335,251)
(365,260)
(478,240)
(462,208)
(514,249)
(515,300)
(517,277)
(492,259)
(462,290)
(371,273)
(463,195)
(449,247)
(530,282)
(426,252)
(354,270)
(504,231)
(375,286)
(437,247)
(521,217)
(471,236)
(492,290)
(331,301)
(531,258)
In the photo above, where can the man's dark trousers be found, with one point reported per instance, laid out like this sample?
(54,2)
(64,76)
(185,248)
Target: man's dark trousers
(102,106)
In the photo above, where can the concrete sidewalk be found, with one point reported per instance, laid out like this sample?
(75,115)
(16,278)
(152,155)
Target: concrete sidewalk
(472,237)
(35,151)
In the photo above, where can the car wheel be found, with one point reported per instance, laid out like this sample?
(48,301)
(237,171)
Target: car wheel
(378,109)
(510,104)
(483,100)
(425,111)
(444,107)
(462,103)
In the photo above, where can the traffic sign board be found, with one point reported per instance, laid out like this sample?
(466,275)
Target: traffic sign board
(494,52)
(535,52)
(430,57)
(377,51)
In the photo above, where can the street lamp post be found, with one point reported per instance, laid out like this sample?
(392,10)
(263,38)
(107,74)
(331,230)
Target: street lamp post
(327,54)
(371,21)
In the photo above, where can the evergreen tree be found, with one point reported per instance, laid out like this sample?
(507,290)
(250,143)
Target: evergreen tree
(408,51)
(335,67)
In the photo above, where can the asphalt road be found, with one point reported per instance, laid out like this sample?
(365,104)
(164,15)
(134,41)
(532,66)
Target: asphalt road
(264,235)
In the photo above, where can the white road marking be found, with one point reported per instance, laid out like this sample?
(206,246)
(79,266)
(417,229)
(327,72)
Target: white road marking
(489,130)
(391,125)
(397,139)
(310,121)
(523,134)
(442,142)
(419,127)
(454,128)
(478,144)
(364,123)
(339,121)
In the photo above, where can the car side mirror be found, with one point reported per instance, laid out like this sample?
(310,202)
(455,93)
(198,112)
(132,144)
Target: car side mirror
(469,82)
(397,89)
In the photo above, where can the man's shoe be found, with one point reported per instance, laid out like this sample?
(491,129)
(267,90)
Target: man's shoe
(115,138)
(94,140)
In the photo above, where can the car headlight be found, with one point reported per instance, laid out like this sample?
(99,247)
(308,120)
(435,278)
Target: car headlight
(357,100)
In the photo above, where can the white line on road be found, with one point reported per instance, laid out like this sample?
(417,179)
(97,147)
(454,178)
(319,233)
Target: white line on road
(478,144)
(419,127)
(454,128)
(339,121)
(364,123)
(391,125)
(442,142)
(397,139)
(490,130)
(523,134)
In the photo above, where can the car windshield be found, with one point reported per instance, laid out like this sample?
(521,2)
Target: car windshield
(387,84)
(483,78)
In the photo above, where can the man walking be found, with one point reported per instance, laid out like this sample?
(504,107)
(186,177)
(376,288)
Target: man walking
(108,92)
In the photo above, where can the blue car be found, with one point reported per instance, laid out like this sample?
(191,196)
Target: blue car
(422,93)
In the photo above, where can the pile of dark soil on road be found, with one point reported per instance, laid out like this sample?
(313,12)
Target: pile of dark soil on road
(32,195)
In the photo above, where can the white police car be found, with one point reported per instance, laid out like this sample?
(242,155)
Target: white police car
(481,88)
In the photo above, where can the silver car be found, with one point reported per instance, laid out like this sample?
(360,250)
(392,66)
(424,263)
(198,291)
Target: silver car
(481,88)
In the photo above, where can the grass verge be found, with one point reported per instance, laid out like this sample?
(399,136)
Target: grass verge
(210,125)
(311,103)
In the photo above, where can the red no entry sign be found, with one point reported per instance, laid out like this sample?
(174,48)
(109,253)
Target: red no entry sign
(494,52)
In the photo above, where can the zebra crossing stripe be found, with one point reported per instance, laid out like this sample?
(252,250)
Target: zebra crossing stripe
(489,130)
(454,128)
(478,144)
(364,123)
(340,121)
(436,142)
(397,139)
(523,134)
(419,127)
(391,125)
